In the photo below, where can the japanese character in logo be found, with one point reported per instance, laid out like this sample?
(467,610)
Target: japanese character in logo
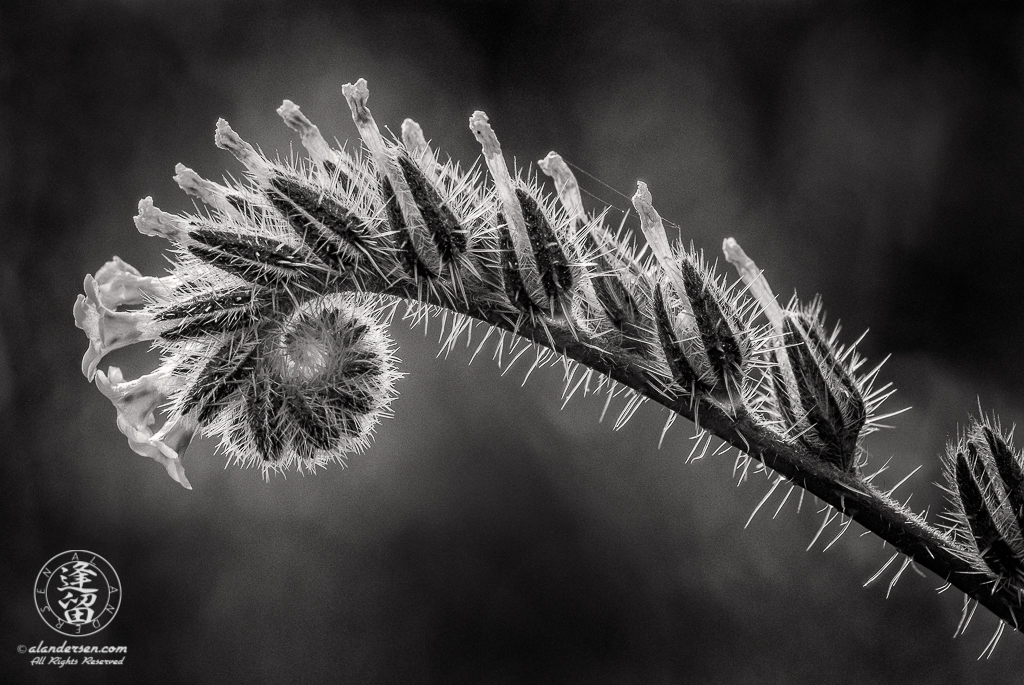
(78,593)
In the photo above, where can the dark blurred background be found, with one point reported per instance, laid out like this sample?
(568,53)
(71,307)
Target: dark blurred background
(867,152)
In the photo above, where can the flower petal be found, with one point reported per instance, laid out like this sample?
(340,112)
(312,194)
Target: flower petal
(136,401)
(107,329)
(171,441)
(121,283)
(152,221)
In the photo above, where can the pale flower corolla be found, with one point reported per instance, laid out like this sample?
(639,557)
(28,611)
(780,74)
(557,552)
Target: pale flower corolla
(116,283)
(136,402)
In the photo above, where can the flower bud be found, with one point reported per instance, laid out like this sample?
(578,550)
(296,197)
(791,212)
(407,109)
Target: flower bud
(318,385)
(978,505)
(831,404)
(421,255)
(704,323)
(1008,467)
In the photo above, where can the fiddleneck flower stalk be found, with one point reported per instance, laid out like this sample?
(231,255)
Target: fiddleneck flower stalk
(272,330)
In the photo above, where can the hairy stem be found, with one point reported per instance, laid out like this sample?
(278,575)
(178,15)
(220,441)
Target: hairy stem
(847,492)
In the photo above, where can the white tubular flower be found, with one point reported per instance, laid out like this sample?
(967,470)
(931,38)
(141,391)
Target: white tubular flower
(106,328)
(756,283)
(211,194)
(121,283)
(136,402)
(654,230)
(318,148)
(153,222)
(565,183)
(512,210)
(416,143)
(227,139)
(415,227)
